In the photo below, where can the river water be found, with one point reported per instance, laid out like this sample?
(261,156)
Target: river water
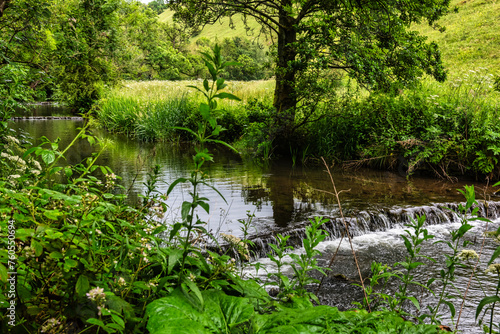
(282,198)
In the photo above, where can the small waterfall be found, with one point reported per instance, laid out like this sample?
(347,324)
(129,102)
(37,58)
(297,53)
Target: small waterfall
(363,222)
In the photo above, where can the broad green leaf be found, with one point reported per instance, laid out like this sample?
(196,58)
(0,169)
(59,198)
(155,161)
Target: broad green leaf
(414,301)
(186,207)
(227,96)
(173,258)
(95,321)
(205,111)
(451,307)
(37,247)
(3,273)
(486,301)
(48,156)
(52,214)
(221,84)
(56,255)
(82,285)
(69,263)
(195,290)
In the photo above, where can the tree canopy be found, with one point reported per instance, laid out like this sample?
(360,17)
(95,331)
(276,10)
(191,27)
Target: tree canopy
(371,40)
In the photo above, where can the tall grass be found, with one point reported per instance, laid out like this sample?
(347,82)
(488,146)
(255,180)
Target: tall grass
(148,110)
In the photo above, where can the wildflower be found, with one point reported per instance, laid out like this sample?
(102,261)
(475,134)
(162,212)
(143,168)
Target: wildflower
(29,252)
(192,277)
(101,308)
(121,282)
(50,325)
(98,231)
(13,140)
(15,176)
(468,254)
(151,284)
(96,295)
(37,165)
(493,268)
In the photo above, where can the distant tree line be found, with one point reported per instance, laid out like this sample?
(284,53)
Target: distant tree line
(71,50)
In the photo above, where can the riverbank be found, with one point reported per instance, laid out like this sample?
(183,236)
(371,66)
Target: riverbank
(446,130)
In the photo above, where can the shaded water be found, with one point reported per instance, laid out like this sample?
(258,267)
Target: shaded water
(282,198)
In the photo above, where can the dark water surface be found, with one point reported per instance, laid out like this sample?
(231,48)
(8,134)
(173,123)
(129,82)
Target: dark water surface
(282,198)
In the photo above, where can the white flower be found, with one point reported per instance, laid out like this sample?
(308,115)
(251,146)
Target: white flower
(12,140)
(37,165)
(121,282)
(49,325)
(493,268)
(96,295)
(468,254)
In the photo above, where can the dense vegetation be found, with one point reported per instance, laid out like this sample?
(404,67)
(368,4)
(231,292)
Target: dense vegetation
(86,261)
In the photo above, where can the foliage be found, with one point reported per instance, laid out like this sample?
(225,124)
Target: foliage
(74,236)
(457,256)
(494,268)
(445,129)
(85,39)
(318,35)
(236,314)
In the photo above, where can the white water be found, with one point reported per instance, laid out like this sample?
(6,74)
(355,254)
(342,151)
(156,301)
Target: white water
(388,247)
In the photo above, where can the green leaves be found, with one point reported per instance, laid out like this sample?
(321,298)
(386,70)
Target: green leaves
(82,285)
(485,301)
(175,314)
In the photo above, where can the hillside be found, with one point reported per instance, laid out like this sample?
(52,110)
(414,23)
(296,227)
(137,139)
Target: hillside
(471,39)
(222,30)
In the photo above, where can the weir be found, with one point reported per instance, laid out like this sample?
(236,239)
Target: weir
(364,222)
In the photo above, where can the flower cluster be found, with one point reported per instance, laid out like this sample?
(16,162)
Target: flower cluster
(98,296)
(493,268)
(51,326)
(468,254)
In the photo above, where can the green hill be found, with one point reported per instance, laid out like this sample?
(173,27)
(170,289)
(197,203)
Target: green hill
(472,36)
(471,39)
(222,29)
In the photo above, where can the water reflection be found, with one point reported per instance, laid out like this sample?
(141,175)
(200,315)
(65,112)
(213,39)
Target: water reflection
(278,194)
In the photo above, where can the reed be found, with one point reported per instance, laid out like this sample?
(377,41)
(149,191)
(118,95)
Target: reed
(149,110)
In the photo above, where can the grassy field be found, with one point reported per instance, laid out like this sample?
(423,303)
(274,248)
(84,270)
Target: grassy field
(222,30)
(471,40)
(157,90)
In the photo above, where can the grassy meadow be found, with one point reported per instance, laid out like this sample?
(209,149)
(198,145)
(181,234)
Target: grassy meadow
(148,109)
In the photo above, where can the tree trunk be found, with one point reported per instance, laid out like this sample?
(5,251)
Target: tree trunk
(284,95)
